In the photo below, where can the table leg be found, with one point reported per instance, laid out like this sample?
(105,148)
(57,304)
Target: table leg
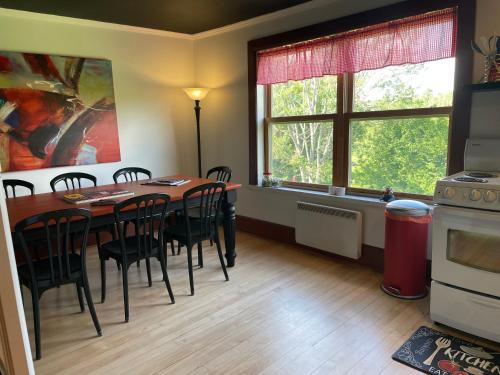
(229,231)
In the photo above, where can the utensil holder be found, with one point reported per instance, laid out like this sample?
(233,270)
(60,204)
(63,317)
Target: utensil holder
(489,65)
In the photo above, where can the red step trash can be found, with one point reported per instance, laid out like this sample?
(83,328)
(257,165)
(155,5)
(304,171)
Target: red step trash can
(405,253)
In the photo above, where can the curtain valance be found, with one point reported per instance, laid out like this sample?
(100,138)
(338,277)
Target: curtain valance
(412,40)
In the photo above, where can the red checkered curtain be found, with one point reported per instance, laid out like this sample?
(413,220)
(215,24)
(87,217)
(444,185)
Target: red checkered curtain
(412,40)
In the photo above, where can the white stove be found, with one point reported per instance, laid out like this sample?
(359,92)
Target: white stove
(465,291)
(475,189)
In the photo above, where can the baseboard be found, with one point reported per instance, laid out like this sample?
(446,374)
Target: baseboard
(266,229)
(371,256)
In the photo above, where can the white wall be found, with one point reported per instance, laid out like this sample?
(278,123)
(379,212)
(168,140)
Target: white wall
(155,117)
(221,63)
(485,115)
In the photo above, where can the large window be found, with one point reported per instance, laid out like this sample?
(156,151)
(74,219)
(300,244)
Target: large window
(364,101)
(365,131)
(300,130)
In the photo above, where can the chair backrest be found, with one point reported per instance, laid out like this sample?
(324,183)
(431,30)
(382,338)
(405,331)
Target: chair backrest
(207,200)
(15,183)
(57,229)
(130,174)
(144,211)
(220,173)
(72,180)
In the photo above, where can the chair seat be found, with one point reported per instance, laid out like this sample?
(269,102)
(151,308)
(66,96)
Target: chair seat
(102,228)
(42,268)
(194,213)
(113,250)
(178,231)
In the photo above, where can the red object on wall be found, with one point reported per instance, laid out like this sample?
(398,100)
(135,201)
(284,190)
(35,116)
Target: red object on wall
(411,40)
(405,254)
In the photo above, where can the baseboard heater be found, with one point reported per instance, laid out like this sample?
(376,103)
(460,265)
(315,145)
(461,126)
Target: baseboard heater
(331,229)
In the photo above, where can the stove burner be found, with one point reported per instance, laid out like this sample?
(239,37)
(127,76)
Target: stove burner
(470,179)
(480,174)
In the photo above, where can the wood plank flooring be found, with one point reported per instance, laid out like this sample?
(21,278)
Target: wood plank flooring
(282,312)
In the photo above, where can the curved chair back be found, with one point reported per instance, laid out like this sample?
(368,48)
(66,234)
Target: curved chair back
(15,183)
(144,211)
(220,173)
(72,180)
(208,202)
(130,174)
(57,230)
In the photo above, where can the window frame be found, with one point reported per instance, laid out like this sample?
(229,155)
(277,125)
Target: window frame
(459,112)
(341,123)
(333,117)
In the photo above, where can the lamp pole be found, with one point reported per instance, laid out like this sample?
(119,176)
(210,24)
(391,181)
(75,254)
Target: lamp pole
(197,109)
(197,94)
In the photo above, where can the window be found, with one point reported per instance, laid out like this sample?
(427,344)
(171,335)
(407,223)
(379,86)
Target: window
(383,82)
(300,130)
(396,127)
(405,145)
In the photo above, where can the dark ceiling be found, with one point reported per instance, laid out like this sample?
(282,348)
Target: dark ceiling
(183,16)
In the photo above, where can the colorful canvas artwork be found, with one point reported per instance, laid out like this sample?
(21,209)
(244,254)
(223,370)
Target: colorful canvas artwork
(56,111)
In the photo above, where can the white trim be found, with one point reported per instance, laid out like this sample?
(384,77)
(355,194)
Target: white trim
(265,18)
(91,23)
(348,199)
(162,33)
(10,293)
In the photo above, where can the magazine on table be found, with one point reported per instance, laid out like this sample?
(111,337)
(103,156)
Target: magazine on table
(94,196)
(168,182)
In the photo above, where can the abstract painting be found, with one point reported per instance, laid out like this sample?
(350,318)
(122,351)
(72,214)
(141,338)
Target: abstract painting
(56,111)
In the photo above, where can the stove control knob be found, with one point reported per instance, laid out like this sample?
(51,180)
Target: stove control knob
(450,192)
(475,195)
(490,196)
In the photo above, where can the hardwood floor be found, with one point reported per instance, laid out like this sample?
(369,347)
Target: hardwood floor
(282,312)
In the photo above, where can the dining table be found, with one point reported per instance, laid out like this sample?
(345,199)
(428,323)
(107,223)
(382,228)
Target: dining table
(22,207)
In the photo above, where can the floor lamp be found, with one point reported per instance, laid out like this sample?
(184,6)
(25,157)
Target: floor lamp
(197,94)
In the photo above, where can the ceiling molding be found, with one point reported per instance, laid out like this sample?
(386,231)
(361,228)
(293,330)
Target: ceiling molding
(162,33)
(91,23)
(264,18)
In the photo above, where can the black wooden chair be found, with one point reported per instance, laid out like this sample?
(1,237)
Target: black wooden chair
(220,173)
(13,184)
(193,230)
(144,211)
(72,180)
(130,174)
(59,266)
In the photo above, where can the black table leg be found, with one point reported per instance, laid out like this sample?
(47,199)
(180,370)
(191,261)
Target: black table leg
(229,231)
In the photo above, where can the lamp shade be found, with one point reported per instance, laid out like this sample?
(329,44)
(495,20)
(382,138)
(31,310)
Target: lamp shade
(196,93)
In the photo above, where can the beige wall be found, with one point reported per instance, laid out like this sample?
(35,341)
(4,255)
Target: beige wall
(487,24)
(16,346)
(221,63)
(485,116)
(148,70)
(155,118)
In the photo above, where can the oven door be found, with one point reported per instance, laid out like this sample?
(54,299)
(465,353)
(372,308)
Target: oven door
(466,249)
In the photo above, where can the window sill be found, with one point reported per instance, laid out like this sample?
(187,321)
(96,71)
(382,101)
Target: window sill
(349,198)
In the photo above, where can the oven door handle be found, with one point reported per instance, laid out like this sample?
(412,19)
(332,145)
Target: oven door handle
(485,303)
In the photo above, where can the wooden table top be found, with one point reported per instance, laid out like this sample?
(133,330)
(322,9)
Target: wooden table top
(25,206)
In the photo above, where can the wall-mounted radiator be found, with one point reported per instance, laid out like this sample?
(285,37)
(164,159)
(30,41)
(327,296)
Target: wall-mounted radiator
(328,228)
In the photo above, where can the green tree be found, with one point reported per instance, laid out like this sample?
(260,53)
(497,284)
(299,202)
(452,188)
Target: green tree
(302,151)
(408,154)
